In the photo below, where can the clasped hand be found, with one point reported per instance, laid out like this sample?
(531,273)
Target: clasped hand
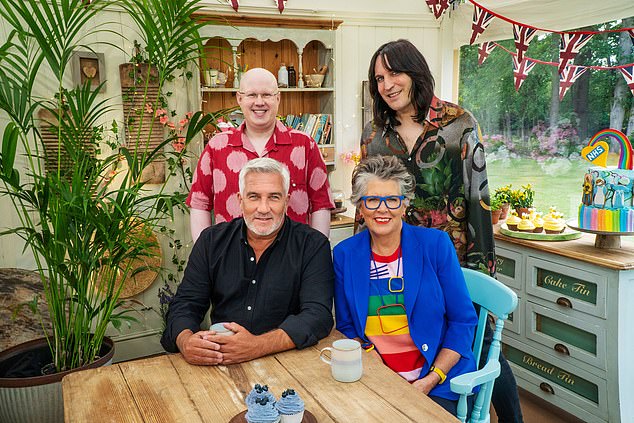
(205,347)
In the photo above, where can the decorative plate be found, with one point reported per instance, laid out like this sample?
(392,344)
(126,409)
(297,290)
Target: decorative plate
(566,235)
(239,418)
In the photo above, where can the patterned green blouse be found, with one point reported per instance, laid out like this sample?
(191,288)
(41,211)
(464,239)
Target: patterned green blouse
(452,192)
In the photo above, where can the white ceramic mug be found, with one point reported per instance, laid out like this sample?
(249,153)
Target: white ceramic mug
(345,360)
(220,329)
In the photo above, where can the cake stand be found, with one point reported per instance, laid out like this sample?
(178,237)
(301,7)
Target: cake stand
(603,239)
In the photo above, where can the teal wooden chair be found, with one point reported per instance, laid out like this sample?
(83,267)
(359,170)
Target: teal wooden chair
(494,297)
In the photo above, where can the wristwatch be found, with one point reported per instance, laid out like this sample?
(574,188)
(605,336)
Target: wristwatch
(439,372)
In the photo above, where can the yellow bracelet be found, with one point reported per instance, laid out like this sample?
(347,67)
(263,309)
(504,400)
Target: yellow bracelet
(440,373)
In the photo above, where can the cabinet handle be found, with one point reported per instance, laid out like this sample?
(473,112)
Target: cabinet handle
(565,302)
(546,388)
(324,153)
(561,348)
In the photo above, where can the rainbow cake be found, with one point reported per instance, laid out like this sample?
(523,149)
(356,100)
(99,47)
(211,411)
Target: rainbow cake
(607,198)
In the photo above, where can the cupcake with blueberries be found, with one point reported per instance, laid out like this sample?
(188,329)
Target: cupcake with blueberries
(262,411)
(291,407)
(259,392)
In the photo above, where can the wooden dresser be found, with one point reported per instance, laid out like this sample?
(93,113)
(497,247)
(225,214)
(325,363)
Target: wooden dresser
(571,339)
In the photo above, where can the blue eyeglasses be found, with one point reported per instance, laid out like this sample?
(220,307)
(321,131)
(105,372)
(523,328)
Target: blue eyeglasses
(373,202)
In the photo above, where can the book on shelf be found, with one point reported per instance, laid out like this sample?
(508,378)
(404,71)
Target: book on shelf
(315,125)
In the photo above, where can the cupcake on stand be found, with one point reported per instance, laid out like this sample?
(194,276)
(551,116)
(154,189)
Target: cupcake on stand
(513,220)
(526,225)
(291,407)
(539,223)
(262,411)
(259,392)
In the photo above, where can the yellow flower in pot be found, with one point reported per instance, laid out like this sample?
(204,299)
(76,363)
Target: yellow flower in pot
(522,199)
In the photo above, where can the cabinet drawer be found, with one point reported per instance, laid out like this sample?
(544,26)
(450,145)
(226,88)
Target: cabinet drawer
(559,383)
(567,287)
(515,322)
(567,337)
(328,154)
(509,268)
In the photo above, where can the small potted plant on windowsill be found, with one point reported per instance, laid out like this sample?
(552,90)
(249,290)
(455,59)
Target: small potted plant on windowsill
(522,199)
(496,210)
(503,195)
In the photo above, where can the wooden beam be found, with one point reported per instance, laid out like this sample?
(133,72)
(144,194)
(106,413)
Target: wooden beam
(238,19)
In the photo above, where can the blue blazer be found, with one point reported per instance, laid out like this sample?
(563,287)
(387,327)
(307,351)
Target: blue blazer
(438,307)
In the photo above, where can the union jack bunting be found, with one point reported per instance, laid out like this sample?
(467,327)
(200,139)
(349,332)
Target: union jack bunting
(571,43)
(523,36)
(521,70)
(280,5)
(568,77)
(234,4)
(481,20)
(628,74)
(438,7)
(484,50)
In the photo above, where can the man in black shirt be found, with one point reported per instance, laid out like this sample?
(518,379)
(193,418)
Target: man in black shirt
(271,277)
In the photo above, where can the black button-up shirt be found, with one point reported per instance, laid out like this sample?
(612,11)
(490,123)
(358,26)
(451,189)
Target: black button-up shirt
(290,287)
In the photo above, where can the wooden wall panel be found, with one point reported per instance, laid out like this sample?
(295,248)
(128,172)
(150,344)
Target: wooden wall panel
(218,55)
(269,55)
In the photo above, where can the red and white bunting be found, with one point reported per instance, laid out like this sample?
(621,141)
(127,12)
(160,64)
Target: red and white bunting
(628,74)
(521,70)
(481,20)
(570,44)
(484,50)
(234,4)
(280,5)
(568,77)
(438,7)
(523,36)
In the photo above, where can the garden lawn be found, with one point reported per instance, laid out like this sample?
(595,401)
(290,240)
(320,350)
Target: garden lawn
(557,182)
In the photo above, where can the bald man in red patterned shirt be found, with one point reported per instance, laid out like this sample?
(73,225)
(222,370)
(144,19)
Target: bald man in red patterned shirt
(215,185)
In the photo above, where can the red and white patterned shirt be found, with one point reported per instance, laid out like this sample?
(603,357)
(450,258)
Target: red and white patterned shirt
(215,183)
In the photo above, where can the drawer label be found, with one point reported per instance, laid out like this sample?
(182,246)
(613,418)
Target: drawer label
(568,334)
(505,266)
(552,373)
(572,287)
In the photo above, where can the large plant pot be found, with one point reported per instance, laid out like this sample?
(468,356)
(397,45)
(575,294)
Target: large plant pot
(39,398)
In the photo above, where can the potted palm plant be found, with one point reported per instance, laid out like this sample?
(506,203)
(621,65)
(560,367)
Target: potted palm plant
(86,218)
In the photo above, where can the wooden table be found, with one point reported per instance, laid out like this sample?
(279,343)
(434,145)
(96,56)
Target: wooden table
(167,389)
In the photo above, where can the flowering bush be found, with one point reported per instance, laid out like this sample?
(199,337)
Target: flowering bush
(562,140)
(543,142)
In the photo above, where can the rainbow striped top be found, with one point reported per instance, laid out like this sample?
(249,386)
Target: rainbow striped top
(386,326)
